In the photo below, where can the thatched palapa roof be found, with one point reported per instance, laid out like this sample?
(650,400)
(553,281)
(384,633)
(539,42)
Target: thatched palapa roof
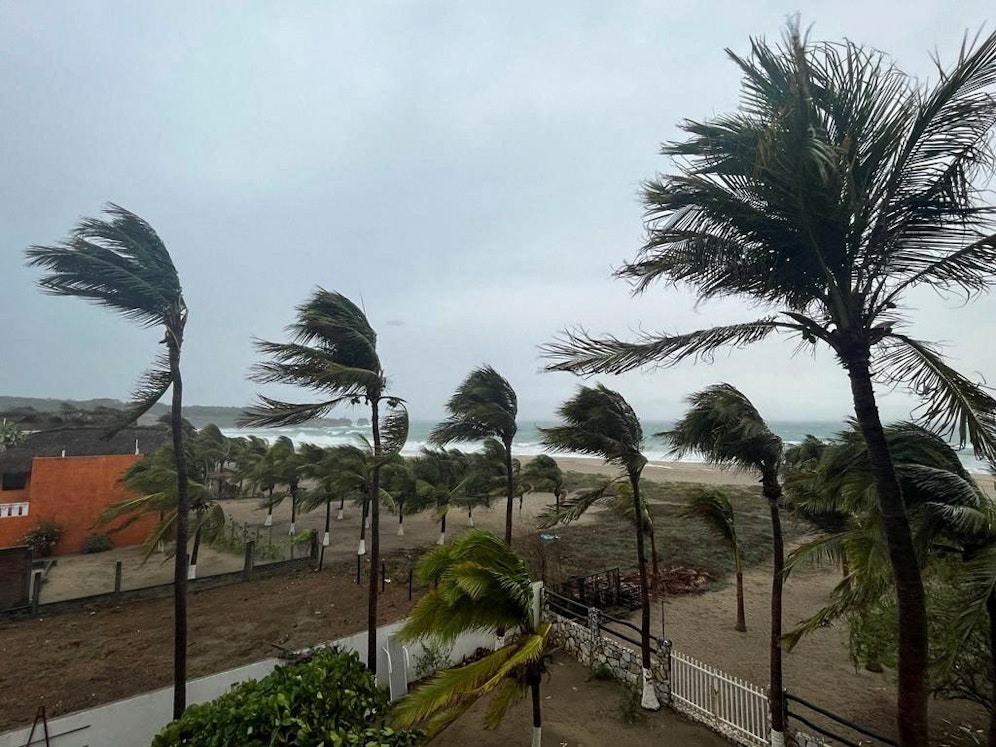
(86,441)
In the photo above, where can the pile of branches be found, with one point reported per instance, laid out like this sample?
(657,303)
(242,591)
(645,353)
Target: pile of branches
(680,580)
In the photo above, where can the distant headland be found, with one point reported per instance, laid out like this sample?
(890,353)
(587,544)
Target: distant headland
(34,413)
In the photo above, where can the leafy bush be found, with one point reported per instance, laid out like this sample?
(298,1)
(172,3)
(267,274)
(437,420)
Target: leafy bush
(43,537)
(434,656)
(97,543)
(332,699)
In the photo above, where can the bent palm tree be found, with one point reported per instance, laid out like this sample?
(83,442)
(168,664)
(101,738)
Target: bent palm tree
(483,406)
(711,506)
(333,352)
(598,421)
(839,185)
(480,584)
(725,427)
(121,263)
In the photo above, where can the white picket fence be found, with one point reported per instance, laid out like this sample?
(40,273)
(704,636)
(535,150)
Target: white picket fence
(728,704)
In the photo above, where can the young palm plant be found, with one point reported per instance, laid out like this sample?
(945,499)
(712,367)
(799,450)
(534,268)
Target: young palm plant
(483,406)
(333,352)
(121,263)
(599,422)
(712,507)
(839,185)
(727,429)
(479,584)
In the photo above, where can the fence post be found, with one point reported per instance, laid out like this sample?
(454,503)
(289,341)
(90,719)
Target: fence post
(594,624)
(249,561)
(117,580)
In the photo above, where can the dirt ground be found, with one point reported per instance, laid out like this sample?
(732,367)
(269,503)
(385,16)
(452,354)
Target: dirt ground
(579,712)
(78,659)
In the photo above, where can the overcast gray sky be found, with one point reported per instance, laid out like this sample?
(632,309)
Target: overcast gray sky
(469,170)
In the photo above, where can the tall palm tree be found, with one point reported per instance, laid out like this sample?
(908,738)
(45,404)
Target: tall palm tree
(479,584)
(483,406)
(333,352)
(121,263)
(727,429)
(713,507)
(839,185)
(598,421)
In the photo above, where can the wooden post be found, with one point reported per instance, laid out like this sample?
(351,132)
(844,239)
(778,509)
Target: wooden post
(117,580)
(249,561)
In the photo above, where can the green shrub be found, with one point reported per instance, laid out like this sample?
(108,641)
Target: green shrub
(43,537)
(97,543)
(332,699)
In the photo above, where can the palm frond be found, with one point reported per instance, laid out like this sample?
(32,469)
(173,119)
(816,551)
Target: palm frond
(579,353)
(151,387)
(952,404)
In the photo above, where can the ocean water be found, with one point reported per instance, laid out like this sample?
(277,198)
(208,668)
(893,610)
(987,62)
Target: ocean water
(528,438)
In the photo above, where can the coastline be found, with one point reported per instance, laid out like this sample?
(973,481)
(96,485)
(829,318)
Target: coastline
(696,472)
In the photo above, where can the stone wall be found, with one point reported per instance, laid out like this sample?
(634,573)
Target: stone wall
(589,644)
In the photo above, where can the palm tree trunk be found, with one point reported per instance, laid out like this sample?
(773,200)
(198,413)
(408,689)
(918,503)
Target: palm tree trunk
(342,506)
(534,686)
(180,557)
(442,531)
(772,491)
(401,518)
(649,697)
(192,568)
(911,711)
(655,561)
(327,539)
(374,540)
(363,528)
(293,526)
(509,490)
(991,611)
(741,625)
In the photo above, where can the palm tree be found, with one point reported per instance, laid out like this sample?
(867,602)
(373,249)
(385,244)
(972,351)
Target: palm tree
(727,429)
(483,406)
(121,263)
(479,584)
(543,474)
(713,507)
(839,185)
(333,352)
(282,466)
(598,421)
(153,479)
(621,503)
